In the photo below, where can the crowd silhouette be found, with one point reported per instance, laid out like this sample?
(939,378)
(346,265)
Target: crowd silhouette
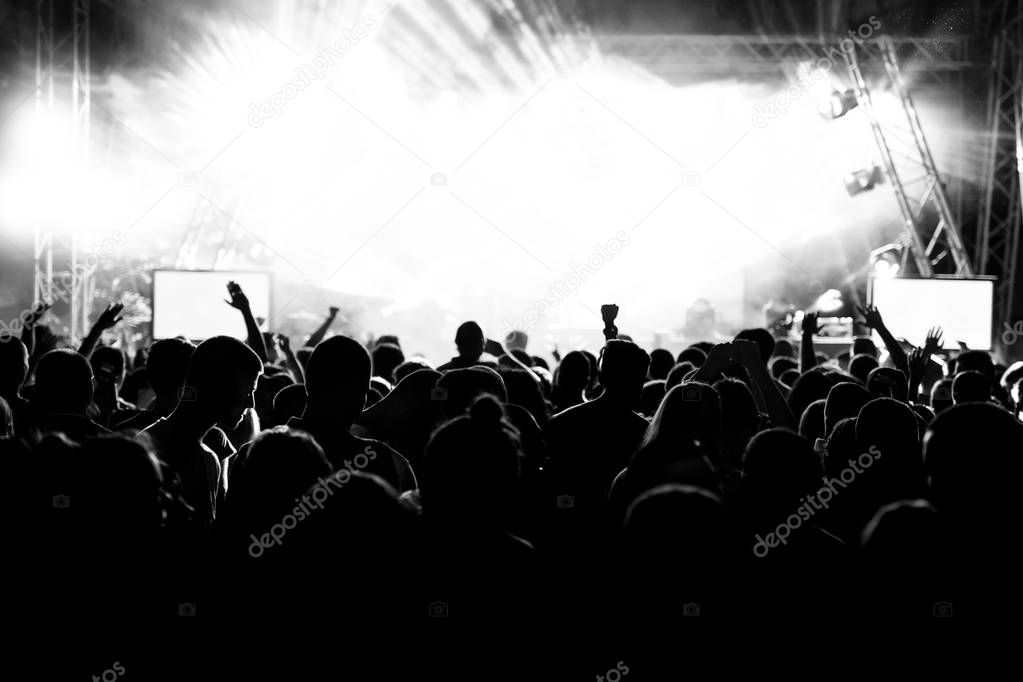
(746,479)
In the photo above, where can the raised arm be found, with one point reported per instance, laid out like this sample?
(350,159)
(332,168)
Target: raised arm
(609,311)
(321,331)
(107,319)
(28,331)
(765,391)
(284,343)
(872,318)
(807,356)
(239,301)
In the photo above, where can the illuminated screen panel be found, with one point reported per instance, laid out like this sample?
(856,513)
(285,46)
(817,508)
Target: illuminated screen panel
(963,308)
(192,304)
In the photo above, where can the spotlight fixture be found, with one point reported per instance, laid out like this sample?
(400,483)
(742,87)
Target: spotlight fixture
(887,261)
(838,104)
(863,180)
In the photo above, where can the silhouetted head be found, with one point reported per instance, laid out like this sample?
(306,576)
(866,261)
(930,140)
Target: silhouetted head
(811,422)
(267,388)
(678,374)
(844,400)
(337,380)
(661,362)
(941,394)
(970,387)
(976,361)
(864,345)
(693,355)
(763,338)
(778,469)
(740,418)
(539,362)
(388,338)
(691,411)
(167,365)
(573,372)
(459,389)
(650,400)
(386,358)
(13,366)
(623,369)
(885,423)
(789,377)
(907,534)
(289,402)
(810,386)
(783,348)
(409,366)
(469,341)
(592,359)
(971,457)
(842,446)
(522,356)
(472,464)
(779,364)
(268,478)
(221,380)
(862,365)
(888,382)
(63,383)
(675,531)
(524,391)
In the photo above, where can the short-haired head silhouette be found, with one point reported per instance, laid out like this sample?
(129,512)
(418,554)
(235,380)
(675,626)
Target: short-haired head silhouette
(167,365)
(337,380)
(13,366)
(623,369)
(63,383)
(763,338)
(221,380)
(970,387)
(661,362)
(469,340)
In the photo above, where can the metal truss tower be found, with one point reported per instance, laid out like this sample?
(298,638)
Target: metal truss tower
(62,80)
(1002,189)
(930,228)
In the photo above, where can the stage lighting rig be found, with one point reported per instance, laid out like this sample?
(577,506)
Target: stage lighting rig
(863,180)
(838,104)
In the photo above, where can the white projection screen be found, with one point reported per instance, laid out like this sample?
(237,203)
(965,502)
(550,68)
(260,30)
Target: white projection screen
(963,308)
(191,303)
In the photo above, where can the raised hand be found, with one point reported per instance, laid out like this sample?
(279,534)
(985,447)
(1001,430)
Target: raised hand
(109,317)
(334,310)
(933,342)
(239,301)
(609,312)
(37,312)
(871,316)
(746,353)
(283,342)
(810,324)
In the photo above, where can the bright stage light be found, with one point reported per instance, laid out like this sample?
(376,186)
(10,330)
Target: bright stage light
(863,180)
(829,301)
(838,104)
